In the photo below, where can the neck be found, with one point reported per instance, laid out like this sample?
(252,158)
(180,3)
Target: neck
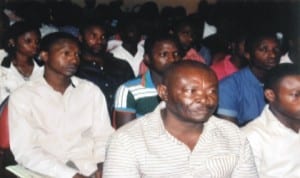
(186,132)
(156,78)
(292,123)
(58,82)
(260,74)
(98,59)
(132,48)
(22,60)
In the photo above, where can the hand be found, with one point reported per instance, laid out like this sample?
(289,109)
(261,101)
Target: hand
(79,176)
(98,174)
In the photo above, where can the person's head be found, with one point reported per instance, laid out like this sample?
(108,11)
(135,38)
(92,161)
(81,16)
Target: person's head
(93,37)
(185,32)
(129,29)
(160,52)
(264,50)
(24,38)
(190,90)
(282,90)
(60,53)
(294,46)
(237,48)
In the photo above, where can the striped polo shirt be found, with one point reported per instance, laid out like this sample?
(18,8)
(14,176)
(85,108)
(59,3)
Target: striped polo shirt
(144,148)
(137,96)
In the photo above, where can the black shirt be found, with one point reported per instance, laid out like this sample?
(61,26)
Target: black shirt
(108,77)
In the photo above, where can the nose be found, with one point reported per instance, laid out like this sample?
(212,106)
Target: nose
(35,45)
(74,59)
(271,53)
(201,97)
(171,57)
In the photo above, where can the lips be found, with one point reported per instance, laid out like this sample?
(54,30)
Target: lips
(199,109)
(272,62)
(71,69)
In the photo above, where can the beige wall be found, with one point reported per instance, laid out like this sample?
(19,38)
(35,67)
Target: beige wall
(190,5)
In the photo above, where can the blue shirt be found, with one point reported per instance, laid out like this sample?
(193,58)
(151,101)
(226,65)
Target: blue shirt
(241,96)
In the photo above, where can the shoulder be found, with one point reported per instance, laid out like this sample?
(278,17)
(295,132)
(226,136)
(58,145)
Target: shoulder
(141,128)
(255,127)
(117,49)
(117,62)
(130,132)
(133,82)
(226,130)
(84,84)
(28,89)
(236,81)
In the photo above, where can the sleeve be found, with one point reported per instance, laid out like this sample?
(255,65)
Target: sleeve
(23,141)
(255,142)
(120,160)
(4,91)
(246,167)
(228,98)
(124,100)
(101,129)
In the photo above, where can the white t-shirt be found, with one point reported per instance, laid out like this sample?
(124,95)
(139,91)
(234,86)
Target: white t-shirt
(275,147)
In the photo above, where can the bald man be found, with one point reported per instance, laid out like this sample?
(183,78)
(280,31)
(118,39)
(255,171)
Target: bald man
(181,137)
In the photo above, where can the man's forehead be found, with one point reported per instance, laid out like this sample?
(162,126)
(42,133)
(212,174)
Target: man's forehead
(189,72)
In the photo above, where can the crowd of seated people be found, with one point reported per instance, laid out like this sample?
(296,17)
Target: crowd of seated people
(99,91)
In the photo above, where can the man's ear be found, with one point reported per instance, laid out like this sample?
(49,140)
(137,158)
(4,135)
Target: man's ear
(147,60)
(270,95)
(247,55)
(44,56)
(80,38)
(11,43)
(162,92)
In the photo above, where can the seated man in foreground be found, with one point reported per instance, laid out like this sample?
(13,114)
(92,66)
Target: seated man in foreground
(181,137)
(59,124)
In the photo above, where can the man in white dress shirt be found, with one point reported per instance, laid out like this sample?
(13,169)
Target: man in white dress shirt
(181,138)
(275,135)
(59,124)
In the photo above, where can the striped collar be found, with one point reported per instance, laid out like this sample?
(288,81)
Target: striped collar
(146,80)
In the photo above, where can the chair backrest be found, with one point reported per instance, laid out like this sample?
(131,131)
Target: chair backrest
(4,134)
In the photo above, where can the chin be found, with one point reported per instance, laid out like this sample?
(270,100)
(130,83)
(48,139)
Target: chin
(198,119)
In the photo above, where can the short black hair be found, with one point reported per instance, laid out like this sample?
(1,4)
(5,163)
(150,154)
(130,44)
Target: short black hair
(276,74)
(152,40)
(254,39)
(16,30)
(91,22)
(172,68)
(49,40)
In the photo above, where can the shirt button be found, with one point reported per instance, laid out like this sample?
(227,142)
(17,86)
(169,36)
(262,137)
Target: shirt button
(106,85)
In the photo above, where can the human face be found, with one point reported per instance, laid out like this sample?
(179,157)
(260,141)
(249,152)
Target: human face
(163,54)
(94,39)
(63,58)
(131,34)
(186,37)
(266,54)
(192,94)
(287,97)
(28,44)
